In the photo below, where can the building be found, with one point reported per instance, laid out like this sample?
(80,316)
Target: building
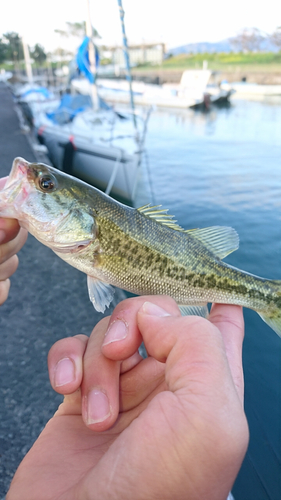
(152,53)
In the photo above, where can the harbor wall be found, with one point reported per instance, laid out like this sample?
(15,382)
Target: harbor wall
(173,76)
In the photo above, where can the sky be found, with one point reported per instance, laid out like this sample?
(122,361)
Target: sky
(174,22)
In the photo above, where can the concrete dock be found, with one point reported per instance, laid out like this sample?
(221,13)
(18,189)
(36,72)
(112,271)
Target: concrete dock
(48,300)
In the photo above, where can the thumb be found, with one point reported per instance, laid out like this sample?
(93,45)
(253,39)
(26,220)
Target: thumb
(191,346)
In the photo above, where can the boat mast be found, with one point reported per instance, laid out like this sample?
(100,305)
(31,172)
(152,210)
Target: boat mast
(27,61)
(127,60)
(89,33)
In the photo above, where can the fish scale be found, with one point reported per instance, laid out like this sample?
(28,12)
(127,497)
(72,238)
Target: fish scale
(142,250)
(190,284)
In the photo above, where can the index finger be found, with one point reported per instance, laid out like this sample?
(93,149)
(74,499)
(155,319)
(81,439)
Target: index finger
(229,320)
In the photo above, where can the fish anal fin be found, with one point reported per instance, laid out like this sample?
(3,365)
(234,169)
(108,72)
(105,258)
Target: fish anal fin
(100,293)
(220,240)
(194,311)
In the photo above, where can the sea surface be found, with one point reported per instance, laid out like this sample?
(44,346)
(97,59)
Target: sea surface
(223,167)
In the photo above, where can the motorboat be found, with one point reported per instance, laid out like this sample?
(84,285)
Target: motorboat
(249,90)
(192,91)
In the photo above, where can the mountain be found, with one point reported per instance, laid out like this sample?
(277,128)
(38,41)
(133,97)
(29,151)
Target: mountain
(201,47)
(216,47)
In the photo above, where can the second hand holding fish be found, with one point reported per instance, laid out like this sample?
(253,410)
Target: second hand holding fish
(140,250)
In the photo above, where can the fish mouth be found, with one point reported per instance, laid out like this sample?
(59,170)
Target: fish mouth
(18,172)
(14,192)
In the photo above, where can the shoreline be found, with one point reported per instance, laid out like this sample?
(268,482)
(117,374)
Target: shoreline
(162,75)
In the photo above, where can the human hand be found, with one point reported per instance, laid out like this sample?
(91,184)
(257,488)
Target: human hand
(12,238)
(171,426)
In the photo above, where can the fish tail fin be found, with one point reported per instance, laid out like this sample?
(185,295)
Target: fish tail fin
(273,317)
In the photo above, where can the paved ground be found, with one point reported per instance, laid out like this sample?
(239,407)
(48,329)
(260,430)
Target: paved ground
(48,300)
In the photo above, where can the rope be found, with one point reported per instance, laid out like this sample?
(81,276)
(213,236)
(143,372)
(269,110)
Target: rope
(127,59)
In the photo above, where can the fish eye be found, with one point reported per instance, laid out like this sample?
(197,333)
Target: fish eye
(47,183)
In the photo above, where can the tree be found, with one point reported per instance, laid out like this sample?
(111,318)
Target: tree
(76,30)
(14,46)
(248,40)
(275,37)
(38,54)
(3,51)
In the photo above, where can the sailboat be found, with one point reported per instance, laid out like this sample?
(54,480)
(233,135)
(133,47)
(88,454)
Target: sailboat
(98,145)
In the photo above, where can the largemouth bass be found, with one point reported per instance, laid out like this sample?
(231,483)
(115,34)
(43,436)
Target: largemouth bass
(140,250)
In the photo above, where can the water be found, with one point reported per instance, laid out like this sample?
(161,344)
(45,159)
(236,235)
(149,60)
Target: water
(224,168)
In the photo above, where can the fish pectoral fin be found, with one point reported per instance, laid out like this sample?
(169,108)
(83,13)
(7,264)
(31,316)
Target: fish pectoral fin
(220,240)
(194,311)
(100,293)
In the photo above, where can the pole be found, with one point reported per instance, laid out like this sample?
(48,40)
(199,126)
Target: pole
(127,60)
(27,60)
(89,33)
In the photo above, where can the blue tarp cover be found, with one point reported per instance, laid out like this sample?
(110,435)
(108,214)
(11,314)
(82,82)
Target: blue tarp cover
(69,107)
(39,90)
(82,59)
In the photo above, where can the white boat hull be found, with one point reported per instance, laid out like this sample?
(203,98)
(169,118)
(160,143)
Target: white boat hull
(110,169)
(254,90)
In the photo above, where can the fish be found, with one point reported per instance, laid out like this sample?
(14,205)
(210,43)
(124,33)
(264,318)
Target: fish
(141,250)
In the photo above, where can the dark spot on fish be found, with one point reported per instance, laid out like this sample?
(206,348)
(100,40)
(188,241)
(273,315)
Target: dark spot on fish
(138,261)
(199,282)
(149,260)
(116,245)
(241,289)
(224,284)
(163,265)
(189,277)
(211,281)
(277,301)
(127,246)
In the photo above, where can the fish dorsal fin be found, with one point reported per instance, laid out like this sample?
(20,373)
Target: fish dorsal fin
(100,293)
(160,215)
(220,240)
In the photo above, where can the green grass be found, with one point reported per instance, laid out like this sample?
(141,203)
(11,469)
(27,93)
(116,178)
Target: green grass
(263,61)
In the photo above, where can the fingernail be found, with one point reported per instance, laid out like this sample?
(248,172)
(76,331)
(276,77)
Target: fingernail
(64,372)
(153,310)
(118,330)
(98,408)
